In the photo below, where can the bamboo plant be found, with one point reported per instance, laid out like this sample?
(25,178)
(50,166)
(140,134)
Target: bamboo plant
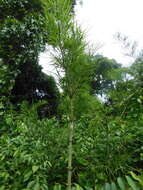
(70,62)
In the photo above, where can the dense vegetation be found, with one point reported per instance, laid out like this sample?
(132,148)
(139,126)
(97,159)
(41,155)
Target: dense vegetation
(87,134)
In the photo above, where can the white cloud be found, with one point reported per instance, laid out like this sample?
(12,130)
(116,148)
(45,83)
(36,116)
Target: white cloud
(101,19)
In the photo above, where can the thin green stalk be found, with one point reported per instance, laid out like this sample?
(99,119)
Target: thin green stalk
(70,149)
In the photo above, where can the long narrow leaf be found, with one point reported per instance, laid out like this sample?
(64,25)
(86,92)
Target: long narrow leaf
(138,178)
(121,183)
(107,186)
(57,187)
(113,186)
(132,183)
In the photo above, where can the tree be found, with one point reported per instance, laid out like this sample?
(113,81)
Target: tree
(137,71)
(33,85)
(102,81)
(22,33)
(23,36)
(70,58)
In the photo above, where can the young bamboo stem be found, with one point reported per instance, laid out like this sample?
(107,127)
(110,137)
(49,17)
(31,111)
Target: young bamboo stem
(70,149)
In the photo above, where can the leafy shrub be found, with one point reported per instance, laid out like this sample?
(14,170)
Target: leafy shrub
(30,151)
(33,152)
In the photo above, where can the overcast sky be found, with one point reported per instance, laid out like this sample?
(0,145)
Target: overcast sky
(102,19)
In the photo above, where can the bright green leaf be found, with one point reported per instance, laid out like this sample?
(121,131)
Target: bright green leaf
(132,183)
(121,183)
(107,186)
(36,186)
(113,186)
(138,178)
(35,168)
